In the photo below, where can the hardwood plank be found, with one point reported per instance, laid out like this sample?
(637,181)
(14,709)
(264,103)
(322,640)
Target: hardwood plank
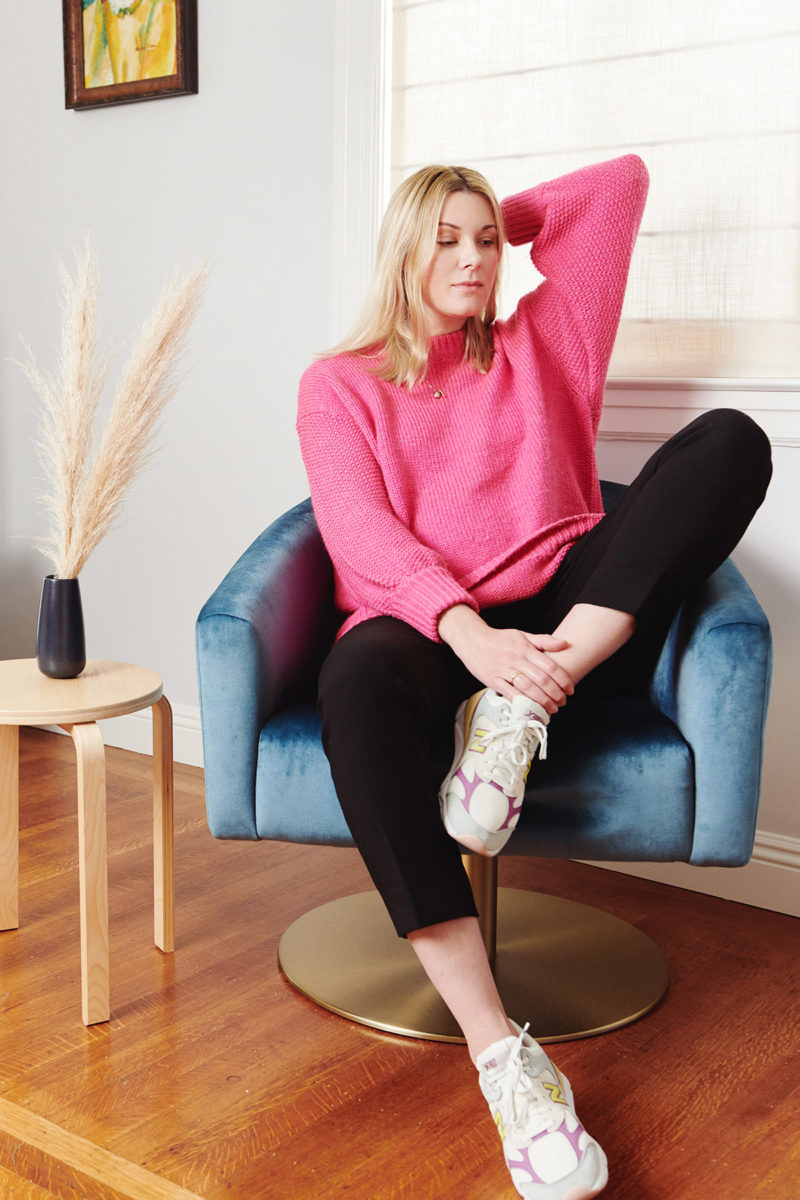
(13,1184)
(62,1148)
(215,1076)
(27,1171)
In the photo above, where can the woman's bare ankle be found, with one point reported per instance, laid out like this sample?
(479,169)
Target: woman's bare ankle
(487,1034)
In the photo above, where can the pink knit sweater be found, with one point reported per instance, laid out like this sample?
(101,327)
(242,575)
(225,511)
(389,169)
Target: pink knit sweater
(475,498)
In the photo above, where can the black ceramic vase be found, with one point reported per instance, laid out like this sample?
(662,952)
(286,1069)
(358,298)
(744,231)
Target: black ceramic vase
(60,643)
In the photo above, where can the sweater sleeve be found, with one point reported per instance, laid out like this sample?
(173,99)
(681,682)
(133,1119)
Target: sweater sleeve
(379,563)
(583,227)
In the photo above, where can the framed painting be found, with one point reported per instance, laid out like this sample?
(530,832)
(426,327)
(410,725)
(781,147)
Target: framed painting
(117,51)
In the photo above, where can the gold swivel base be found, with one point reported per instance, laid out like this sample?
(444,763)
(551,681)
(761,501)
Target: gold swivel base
(569,969)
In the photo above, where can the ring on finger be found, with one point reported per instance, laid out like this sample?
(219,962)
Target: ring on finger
(516,675)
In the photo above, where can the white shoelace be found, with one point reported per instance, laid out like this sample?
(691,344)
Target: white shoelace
(524,1102)
(511,747)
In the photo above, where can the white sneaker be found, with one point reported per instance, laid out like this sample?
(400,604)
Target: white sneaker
(496,740)
(548,1152)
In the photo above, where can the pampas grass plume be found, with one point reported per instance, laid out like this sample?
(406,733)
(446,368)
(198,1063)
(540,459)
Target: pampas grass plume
(86,489)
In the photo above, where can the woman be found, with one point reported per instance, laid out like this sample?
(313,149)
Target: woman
(452,472)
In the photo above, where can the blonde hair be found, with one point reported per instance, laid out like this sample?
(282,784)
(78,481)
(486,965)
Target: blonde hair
(392,327)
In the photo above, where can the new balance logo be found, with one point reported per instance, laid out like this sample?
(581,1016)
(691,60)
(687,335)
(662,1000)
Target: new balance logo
(478,743)
(556,1094)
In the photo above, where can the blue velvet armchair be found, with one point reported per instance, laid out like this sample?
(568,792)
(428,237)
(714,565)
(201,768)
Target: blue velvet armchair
(674,777)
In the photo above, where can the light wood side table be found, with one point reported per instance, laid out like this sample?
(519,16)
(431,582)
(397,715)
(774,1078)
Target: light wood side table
(104,689)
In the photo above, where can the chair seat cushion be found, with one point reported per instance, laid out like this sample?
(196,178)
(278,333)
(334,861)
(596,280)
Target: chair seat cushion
(628,796)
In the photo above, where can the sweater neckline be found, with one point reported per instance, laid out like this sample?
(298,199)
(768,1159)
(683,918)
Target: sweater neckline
(446,348)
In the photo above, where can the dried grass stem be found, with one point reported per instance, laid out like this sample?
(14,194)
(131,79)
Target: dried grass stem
(85,491)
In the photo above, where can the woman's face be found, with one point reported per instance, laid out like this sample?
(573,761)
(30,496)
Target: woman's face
(461,274)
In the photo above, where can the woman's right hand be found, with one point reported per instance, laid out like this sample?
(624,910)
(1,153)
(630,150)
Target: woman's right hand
(499,656)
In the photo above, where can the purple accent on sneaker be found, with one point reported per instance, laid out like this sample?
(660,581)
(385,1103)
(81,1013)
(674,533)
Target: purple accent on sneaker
(526,1163)
(572,1138)
(513,815)
(525,1153)
(470,785)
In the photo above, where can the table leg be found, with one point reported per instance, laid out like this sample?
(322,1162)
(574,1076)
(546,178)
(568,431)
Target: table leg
(93,866)
(9,827)
(163,830)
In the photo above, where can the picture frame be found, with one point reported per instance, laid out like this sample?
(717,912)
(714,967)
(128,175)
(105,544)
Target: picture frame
(119,51)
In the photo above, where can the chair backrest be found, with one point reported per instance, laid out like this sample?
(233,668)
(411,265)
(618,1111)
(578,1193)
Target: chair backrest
(262,636)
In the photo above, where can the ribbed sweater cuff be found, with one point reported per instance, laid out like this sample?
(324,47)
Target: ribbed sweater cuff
(523,215)
(428,594)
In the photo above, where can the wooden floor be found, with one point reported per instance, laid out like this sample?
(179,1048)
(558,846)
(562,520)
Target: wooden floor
(215,1079)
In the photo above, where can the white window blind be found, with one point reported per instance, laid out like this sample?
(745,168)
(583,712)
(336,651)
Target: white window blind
(707,91)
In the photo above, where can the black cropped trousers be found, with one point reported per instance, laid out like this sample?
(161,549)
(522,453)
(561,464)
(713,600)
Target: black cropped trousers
(387,693)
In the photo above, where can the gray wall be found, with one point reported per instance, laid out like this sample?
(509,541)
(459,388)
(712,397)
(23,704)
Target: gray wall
(241,174)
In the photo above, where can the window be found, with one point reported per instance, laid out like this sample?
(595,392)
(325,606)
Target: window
(709,95)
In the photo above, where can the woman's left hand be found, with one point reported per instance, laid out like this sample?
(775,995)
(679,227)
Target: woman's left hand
(511,661)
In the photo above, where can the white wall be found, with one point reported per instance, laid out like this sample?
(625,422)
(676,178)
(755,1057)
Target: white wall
(636,420)
(240,173)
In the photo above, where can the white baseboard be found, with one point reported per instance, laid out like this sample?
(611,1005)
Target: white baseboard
(770,880)
(135,732)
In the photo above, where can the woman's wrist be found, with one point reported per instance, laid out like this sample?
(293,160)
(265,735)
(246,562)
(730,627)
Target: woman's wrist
(457,623)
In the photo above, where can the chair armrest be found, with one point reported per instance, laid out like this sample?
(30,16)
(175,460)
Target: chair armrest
(260,638)
(712,680)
